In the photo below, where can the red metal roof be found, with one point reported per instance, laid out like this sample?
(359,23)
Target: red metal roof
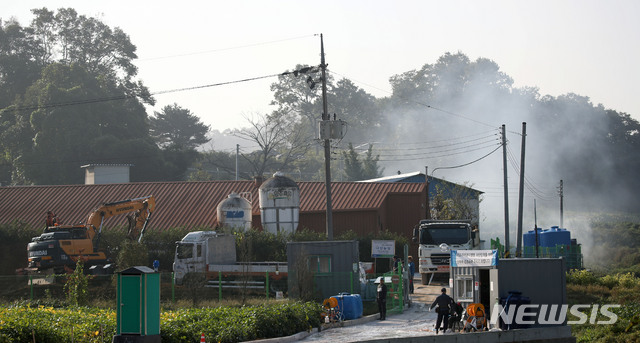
(178,204)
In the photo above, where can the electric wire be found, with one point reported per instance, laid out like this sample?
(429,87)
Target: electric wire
(527,182)
(126,96)
(469,163)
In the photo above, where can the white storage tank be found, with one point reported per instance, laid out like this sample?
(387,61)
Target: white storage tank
(279,204)
(235,212)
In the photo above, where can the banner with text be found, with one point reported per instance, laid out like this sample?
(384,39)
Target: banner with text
(474,258)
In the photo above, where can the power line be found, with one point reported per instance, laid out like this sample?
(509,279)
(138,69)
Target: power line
(125,96)
(466,164)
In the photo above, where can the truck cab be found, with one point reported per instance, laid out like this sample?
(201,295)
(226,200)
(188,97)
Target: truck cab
(199,249)
(436,239)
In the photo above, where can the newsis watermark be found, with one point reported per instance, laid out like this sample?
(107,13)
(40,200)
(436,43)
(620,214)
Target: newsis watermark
(530,314)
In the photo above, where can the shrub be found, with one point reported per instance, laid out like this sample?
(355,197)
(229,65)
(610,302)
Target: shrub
(21,323)
(77,286)
(581,277)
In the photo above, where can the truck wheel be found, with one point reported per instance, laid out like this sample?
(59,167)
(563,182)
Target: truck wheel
(424,278)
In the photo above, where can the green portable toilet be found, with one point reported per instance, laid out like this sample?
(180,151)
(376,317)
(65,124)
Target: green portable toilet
(138,306)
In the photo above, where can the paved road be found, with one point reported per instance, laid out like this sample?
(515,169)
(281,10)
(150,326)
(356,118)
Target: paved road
(414,321)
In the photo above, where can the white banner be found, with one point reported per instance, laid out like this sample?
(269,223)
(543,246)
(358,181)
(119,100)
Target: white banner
(474,258)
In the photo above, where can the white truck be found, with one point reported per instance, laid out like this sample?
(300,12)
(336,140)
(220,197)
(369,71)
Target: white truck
(436,239)
(214,255)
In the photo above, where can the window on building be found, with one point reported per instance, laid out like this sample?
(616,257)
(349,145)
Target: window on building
(320,263)
(464,287)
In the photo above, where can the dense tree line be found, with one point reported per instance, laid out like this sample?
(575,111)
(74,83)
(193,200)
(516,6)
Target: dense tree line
(69,96)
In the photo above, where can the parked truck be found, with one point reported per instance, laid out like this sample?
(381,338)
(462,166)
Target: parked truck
(436,239)
(213,255)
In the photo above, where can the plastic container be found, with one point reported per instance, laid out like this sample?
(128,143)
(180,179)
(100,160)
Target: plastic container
(512,303)
(555,236)
(350,305)
(529,238)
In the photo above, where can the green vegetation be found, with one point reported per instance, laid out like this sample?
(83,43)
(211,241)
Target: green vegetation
(585,287)
(21,323)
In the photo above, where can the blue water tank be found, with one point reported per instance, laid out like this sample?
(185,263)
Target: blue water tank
(350,305)
(555,236)
(529,238)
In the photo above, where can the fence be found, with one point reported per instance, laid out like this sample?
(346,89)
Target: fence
(50,288)
(571,253)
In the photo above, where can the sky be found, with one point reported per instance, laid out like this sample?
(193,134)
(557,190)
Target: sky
(587,47)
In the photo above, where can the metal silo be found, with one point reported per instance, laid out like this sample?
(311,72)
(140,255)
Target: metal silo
(279,204)
(235,212)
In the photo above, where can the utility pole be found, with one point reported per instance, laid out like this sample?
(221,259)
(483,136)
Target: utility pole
(426,180)
(327,143)
(521,195)
(561,203)
(237,152)
(506,193)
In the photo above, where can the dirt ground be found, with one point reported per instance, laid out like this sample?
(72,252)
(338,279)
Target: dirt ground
(426,294)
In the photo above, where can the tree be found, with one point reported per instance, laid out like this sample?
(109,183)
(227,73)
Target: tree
(359,109)
(454,202)
(279,146)
(177,127)
(47,144)
(67,38)
(356,169)
(68,97)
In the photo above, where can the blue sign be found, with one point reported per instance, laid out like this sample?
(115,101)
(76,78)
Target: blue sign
(235,214)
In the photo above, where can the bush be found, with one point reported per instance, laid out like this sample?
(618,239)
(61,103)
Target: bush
(223,324)
(581,277)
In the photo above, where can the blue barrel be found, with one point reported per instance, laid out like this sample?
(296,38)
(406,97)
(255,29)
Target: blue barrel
(529,238)
(350,305)
(555,236)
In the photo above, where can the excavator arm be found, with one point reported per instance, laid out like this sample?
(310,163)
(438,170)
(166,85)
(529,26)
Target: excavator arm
(142,209)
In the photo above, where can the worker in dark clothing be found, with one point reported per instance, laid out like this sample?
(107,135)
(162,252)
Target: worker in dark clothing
(412,272)
(51,220)
(381,297)
(444,303)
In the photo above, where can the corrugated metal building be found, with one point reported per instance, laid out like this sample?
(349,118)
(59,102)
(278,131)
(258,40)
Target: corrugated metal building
(334,266)
(361,207)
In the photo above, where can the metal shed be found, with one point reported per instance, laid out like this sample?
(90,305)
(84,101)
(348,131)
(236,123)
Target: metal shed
(333,265)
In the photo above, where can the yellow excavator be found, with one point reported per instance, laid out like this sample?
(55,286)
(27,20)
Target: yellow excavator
(59,247)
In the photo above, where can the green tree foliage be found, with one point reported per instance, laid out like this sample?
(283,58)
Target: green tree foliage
(300,104)
(357,169)
(50,143)
(69,97)
(132,254)
(451,202)
(77,286)
(358,108)
(177,127)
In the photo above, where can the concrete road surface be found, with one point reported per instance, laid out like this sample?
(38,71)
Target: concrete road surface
(414,321)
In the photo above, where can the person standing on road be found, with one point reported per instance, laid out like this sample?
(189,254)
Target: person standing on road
(381,297)
(412,272)
(444,302)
